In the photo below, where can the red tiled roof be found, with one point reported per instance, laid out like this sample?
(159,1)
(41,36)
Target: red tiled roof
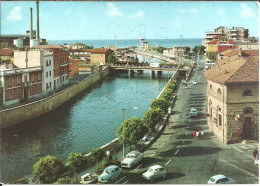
(222,48)
(235,69)
(232,52)
(60,52)
(214,42)
(6,52)
(80,50)
(99,50)
(245,53)
(53,46)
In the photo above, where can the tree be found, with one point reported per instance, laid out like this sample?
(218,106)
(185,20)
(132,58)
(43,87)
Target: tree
(98,154)
(160,103)
(48,169)
(20,181)
(187,50)
(111,58)
(131,131)
(65,180)
(77,162)
(212,55)
(159,49)
(199,49)
(88,47)
(152,117)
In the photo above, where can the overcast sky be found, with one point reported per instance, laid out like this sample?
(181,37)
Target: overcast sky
(128,20)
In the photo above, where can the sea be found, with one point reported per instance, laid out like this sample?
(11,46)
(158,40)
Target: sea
(122,43)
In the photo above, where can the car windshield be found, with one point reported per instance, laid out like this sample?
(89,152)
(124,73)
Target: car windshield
(150,170)
(212,179)
(130,156)
(193,110)
(107,171)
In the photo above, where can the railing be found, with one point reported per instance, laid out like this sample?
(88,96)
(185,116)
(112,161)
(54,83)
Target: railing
(19,70)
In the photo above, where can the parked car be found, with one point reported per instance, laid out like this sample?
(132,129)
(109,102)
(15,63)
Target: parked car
(194,82)
(219,179)
(110,173)
(154,172)
(132,159)
(193,112)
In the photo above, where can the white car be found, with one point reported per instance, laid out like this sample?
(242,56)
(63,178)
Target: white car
(132,159)
(194,82)
(154,172)
(219,179)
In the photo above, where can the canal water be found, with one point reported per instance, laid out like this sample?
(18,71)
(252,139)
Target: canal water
(87,121)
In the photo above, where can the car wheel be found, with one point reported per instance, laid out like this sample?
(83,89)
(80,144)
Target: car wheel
(151,180)
(132,166)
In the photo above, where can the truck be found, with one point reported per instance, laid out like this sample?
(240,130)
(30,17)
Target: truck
(155,65)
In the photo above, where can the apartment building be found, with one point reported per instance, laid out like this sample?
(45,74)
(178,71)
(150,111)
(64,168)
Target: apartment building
(99,56)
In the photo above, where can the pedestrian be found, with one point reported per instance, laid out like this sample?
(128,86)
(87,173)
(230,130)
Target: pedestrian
(194,134)
(202,133)
(197,135)
(255,157)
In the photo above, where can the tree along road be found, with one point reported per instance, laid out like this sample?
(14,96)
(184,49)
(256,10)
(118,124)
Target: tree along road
(190,161)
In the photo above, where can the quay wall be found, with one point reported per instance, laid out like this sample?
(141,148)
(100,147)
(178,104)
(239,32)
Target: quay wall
(32,110)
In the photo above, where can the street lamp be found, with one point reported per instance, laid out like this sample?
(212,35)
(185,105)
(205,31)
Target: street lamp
(169,110)
(123,109)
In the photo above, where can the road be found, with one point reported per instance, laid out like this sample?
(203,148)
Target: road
(190,161)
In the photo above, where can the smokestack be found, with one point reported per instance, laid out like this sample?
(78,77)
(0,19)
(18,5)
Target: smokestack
(37,21)
(31,28)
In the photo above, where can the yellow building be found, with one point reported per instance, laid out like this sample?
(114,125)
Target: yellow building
(233,99)
(212,46)
(98,56)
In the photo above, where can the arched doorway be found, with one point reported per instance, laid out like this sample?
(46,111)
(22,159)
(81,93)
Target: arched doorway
(248,130)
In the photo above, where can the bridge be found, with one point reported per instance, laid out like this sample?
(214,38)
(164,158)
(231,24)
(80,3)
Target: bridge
(139,69)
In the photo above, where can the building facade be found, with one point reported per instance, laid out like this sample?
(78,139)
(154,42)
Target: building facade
(233,99)
(99,56)
(73,67)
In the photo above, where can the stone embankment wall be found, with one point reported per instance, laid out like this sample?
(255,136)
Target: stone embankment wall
(32,110)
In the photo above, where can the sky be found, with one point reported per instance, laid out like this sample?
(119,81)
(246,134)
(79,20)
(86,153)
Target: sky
(128,20)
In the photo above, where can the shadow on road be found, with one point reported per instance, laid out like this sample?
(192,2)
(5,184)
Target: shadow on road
(196,151)
(178,143)
(174,175)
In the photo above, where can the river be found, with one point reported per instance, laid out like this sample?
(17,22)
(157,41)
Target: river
(87,121)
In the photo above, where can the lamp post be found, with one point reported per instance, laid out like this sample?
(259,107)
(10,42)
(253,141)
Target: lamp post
(123,109)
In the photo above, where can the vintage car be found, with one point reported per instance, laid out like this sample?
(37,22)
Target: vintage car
(110,174)
(193,112)
(132,159)
(219,179)
(154,172)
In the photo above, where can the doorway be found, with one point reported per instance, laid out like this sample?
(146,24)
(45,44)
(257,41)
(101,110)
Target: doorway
(247,128)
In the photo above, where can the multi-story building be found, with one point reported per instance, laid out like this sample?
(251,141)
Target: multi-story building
(77,46)
(43,58)
(177,51)
(98,56)
(20,84)
(6,55)
(233,98)
(143,42)
(73,67)
(238,33)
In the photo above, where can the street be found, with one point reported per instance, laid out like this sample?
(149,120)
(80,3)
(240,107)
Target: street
(190,161)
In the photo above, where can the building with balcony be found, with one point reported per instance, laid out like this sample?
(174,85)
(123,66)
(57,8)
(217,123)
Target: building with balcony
(143,43)
(20,84)
(233,99)
(73,67)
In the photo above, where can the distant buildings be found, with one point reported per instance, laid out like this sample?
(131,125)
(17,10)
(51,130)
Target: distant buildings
(233,96)
(143,43)
(175,52)
(77,46)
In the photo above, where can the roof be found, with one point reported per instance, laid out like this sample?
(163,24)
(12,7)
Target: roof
(111,167)
(80,50)
(155,166)
(100,50)
(231,53)
(6,52)
(235,69)
(219,176)
(245,53)
(53,46)
(78,44)
(57,51)
(214,42)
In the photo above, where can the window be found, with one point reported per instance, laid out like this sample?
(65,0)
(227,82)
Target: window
(248,110)
(32,76)
(47,86)
(50,73)
(10,80)
(46,63)
(50,84)
(219,91)
(18,80)
(49,62)
(18,92)
(247,93)
(46,74)
(33,89)
(219,120)
(39,76)
(25,78)
(10,94)
(210,86)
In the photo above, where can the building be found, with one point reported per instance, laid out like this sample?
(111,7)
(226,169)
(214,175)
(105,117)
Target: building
(43,58)
(73,67)
(175,52)
(99,56)
(20,84)
(143,42)
(233,98)
(6,55)
(225,33)
(7,40)
(77,46)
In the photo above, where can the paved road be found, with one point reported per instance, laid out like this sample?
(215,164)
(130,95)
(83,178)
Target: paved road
(190,161)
